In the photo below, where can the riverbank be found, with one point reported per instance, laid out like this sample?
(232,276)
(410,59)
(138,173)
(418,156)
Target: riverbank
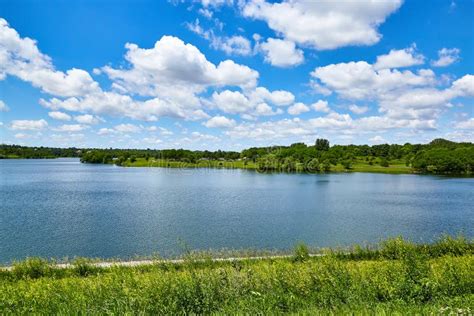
(397,277)
(360,166)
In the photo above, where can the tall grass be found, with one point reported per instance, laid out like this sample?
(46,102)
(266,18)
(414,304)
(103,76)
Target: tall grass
(397,277)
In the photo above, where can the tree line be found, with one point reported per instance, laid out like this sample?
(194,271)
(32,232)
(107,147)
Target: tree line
(439,156)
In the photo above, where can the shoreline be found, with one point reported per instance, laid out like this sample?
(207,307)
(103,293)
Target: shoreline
(149,262)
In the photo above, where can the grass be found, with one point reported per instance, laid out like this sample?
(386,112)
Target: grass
(395,167)
(142,162)
(397,277)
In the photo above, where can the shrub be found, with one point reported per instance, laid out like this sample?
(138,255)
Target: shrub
(300,253)
(83,267)
(384,162)
(32,268)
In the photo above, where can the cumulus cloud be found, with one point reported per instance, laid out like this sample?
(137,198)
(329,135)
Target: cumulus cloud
(106,131)
(399,94)
(321,106)
(219,122)
(20,57)
(127,128)
(377,140)
(333,125)
(276,97)
(263,109)
(28,125)
(251,103)
(172,68)
(231,101)
(298,108)
(359,80)
(57,115)
(281,53)
(70,128)
(446,57)
(88,119)
(358,109)
(468,124)
(324,24)
(399,58)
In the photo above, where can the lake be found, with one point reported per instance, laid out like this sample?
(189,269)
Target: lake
(62,208)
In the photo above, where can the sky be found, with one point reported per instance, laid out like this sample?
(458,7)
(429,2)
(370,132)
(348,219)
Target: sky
(223,74)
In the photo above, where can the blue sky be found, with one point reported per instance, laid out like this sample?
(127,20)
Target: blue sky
(222,74)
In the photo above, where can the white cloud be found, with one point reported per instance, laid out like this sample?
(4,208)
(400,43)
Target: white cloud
(3,107)
(70,128)
(324,24)
(399,58)
(215,3)
(233,45)
(115,104)
(59,116)
(88,119)
(281,53)
(263,109)
(21,136)
(333,125)
(377,140)
(219,122)
(468,124)
(446,57)
(298,108)
(359,80)
(401,95)
(106,131)
(231,101)
(161,130)
(127,128)
(28,124)
(206,13)
(358,109)
(321,106)
(20,57)
(152,140)
(250,103)
(276,97)
(175,70)
(464,86)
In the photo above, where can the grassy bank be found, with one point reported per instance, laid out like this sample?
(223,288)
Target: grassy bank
(397,277)
(359,166)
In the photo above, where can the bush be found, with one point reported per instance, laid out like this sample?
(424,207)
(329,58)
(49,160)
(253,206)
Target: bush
(384,163)
(396,248)
(83,267)
(32,268)
(300,253)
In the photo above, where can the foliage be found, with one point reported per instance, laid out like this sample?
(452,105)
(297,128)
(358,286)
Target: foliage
(384,162)
(301,252)
(322,144)
(397,277)
(440,157)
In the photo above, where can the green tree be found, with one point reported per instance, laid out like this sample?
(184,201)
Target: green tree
(322,144)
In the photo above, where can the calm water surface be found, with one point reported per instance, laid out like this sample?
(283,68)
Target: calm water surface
(58,208)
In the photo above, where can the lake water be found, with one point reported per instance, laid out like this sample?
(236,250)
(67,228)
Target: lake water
(60,207)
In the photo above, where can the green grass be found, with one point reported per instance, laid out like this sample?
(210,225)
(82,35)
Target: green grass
(360,166)
(142,162)
(395,278)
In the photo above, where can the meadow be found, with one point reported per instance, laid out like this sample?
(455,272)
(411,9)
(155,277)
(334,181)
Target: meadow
(359,165)
(395,277)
